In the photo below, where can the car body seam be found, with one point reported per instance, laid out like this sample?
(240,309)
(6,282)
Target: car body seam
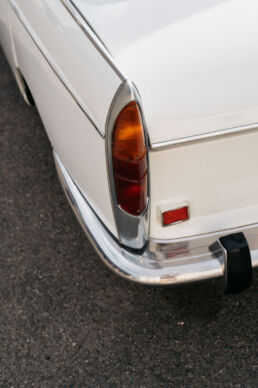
(93,36)
(56,70)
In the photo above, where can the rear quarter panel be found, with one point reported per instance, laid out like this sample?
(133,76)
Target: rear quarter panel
(5,36)
(217,177)
(75,139)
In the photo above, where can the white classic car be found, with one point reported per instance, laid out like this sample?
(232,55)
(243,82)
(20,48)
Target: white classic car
(152,111)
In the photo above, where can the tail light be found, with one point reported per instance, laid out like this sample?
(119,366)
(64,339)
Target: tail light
(129,155)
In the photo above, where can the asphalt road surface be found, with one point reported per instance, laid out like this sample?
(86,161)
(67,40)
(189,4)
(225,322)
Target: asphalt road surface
(67,321)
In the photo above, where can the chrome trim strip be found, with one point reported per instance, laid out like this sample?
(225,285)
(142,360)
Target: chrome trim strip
(52,64)
(133,231)
(217,248)
(92,35)
(204,136)
(161,263)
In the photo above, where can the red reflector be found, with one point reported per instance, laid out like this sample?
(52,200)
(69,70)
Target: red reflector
(176,215)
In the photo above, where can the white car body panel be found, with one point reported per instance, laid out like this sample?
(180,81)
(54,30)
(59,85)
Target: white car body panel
(194,62)
(217,177)
(70,131)
(81,65)
(184,60)
(5,33)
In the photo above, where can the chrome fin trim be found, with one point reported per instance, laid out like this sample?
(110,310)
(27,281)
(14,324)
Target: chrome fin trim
(92,35)
(56,70)
(204,136)
(133,231)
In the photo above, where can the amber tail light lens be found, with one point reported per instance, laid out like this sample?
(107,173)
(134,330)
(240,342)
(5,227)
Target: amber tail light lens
(129,154)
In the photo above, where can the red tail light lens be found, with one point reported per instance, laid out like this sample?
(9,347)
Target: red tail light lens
(129,155)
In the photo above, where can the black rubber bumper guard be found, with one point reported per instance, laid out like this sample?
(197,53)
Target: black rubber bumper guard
(237,262)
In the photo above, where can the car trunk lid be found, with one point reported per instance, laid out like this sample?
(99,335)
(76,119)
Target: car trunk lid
(193,62)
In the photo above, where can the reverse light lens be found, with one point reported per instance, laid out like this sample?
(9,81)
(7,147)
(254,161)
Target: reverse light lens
(129,155)
(176,215)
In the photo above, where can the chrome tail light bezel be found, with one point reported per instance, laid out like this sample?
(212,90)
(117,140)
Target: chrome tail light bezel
(133,231)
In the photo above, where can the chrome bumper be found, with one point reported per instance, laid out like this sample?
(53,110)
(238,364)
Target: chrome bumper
(162,262)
